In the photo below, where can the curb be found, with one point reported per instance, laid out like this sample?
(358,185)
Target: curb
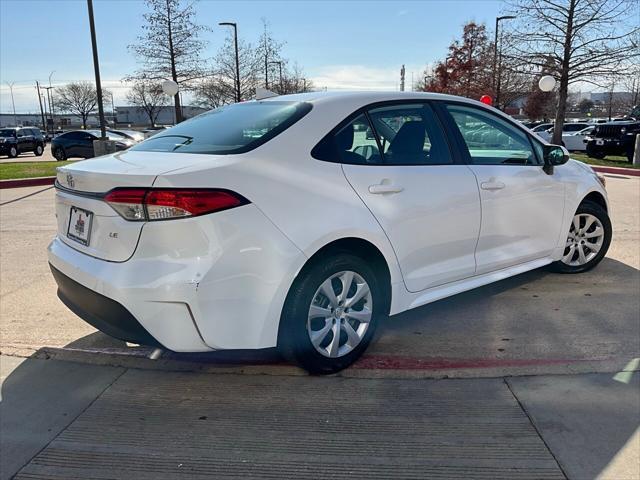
(373,366)
(618,170)
(27,182)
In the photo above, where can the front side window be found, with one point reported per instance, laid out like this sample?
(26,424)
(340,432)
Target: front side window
(410,134)
(230,129)
(490,139)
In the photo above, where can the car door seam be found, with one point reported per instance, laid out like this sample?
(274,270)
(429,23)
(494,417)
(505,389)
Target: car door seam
(395,254)
(475,250)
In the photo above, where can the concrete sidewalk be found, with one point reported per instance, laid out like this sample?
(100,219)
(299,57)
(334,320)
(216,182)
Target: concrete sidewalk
(82,421)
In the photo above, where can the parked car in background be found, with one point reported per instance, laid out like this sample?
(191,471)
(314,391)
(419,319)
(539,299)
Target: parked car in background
(613,138)
(541,127)
(14,141)
(576,141)
(209,236)
(132,135)
(79,143)
(571,127)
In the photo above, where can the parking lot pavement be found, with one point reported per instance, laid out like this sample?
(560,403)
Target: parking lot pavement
(534,323)
(31,157)
(86,421)
(101,421)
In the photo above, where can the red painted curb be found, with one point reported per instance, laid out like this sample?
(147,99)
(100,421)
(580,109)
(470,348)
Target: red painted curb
(619,170)
(27,182)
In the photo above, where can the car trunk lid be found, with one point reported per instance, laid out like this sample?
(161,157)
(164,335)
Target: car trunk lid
(86,222)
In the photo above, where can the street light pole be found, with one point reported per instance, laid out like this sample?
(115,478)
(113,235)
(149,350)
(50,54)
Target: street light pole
(235,37)
(496,73)
(96,68)
(446,73)
(49,99)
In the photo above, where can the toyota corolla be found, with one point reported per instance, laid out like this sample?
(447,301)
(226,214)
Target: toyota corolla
(303,221)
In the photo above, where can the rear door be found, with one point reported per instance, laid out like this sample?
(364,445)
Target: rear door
(427,205)
(25,140)
(522,206)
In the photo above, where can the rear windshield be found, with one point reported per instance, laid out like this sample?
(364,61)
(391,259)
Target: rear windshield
(230,129)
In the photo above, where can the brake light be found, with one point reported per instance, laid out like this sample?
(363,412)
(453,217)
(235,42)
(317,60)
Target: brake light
(139,204)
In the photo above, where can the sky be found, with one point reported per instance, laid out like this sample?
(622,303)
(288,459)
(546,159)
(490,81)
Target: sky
(339,44)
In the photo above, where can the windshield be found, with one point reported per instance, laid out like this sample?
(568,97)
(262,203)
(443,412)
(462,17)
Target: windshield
(230,129)
(7,132)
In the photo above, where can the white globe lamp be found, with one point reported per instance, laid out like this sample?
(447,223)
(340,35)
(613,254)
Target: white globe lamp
(547,83)
(170,87)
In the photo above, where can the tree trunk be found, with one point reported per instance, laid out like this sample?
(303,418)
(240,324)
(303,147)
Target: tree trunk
(174,75)
(84,122)
(563,92)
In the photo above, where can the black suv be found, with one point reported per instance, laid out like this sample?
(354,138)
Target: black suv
(613,138)
(14,141)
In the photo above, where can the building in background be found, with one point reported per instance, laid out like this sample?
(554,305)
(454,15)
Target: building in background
(125,116)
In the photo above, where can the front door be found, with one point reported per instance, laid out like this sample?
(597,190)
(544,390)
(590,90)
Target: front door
(428,206)
(522,206)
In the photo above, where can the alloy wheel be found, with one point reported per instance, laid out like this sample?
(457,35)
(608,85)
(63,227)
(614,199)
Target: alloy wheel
(339,314)
(585,240)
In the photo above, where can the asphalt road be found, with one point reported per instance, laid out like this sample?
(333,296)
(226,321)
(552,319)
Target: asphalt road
(537,322)
(31,157)
(551,388)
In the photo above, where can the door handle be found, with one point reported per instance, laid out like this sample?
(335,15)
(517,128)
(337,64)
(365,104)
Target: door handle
(492,185)
(381,188)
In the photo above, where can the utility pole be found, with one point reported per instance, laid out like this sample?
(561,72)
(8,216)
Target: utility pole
(13,103)
(96,68)
(51,102)
(496,74)
(402,79)
(235,38)
(40,102)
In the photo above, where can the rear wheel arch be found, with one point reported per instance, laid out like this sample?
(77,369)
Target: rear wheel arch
(360,248)
(356,246)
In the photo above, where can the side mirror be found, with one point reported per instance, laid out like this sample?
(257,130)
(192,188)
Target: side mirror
(554,155)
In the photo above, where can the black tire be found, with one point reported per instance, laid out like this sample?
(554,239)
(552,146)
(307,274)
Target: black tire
(59,154)
(39,150)
(593,152)
(602,215)
(13,151)
(293,339)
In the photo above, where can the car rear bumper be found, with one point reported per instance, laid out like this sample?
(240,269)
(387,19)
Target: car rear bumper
(101,312)
(207,283)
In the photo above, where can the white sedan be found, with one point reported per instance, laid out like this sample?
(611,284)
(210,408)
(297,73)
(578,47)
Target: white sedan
(574,141)
(280,222)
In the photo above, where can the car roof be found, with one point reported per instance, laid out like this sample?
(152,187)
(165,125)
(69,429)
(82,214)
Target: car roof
(366,97)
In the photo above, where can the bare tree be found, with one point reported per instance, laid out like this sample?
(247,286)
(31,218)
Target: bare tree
(294,81)
(225,69)
(211,93)
(170,47)
(269,52)
(78,98)
(587,40)
(149,96)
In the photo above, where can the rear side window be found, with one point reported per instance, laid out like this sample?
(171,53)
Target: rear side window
(236,128)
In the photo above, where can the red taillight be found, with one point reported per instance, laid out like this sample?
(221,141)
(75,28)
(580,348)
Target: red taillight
(161,204)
